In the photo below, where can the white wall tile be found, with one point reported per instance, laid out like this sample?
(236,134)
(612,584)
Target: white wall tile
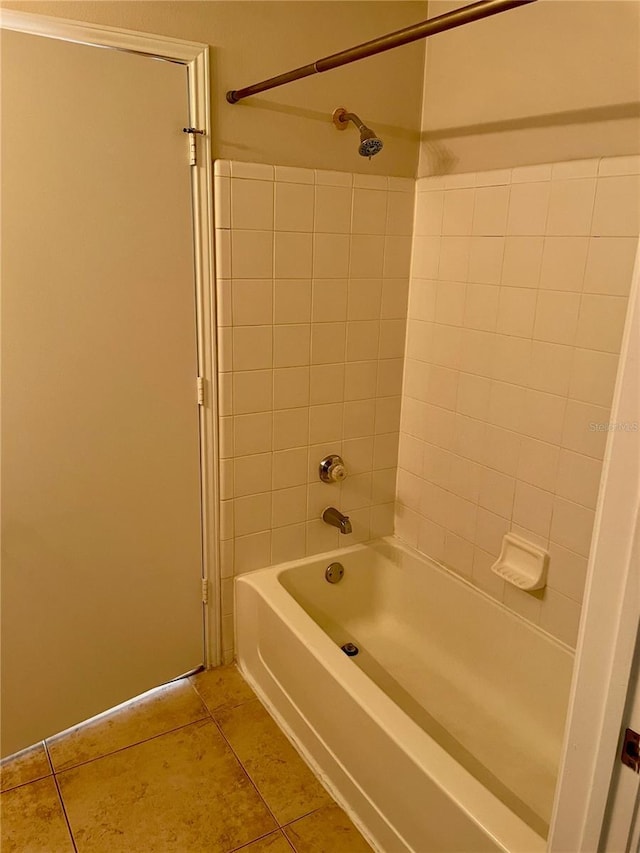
(326,177)
(532,508)
(289,468)
(328,343)
(429,212)
(288,506)
(457,216)
(294,174)
(485,260)
(251,254)
(516,311)
(610,265)
(617,207)
(601,322)
(362,340)
(252,347)
(252,552)
(252,391)
(528,207)
(252,302)
(572,526)
(395,296)
(290,428)
(367,256)
(251,204)
(222,202)
(364,299)
(400,207)
(330,256)
(369,215)
(556,317)
(454,258)
(252,474)
(290,387)
(538,463)
(327,383)
(333,210)
(563,263)
(292,301)
(593,376)
(490,211)
(571,206)
(257,171)
(560,616)
(522,261)
(567,572)
(291,345)
(252,514)
(578,478)
(252,433)
(551,367)
(397,257)
(292,255)
(481,307)
(294,207)
(627,165)
(585,428)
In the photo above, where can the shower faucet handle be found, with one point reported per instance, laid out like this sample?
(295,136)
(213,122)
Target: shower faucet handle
(332,469)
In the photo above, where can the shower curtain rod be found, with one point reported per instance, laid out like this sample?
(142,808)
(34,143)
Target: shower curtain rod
(466,15)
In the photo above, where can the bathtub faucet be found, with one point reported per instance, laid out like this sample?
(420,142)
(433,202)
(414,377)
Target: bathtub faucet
(335,518)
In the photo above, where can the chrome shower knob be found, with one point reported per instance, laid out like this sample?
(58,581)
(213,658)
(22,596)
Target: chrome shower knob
(332,469)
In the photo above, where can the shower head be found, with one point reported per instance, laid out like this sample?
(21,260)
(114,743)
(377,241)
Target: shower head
(369,142)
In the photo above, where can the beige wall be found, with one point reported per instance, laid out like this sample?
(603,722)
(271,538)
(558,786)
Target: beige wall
(551,81)
(254,40)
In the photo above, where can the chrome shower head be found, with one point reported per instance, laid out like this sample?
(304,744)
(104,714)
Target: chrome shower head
(369,142)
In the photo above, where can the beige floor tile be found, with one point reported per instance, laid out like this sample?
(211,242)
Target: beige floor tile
(274,843)
(177,704)
(222,687)
(288,786)
(183,791)
(26,766)
(33,820)
(328,830)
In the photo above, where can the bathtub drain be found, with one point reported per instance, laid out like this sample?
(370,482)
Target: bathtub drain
(350,650)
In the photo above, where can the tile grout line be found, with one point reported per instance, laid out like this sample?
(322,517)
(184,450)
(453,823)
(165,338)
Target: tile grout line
(60,797)
(130,746)
(244,770)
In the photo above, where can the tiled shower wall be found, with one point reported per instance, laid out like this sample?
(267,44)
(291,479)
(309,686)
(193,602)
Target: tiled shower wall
(518,297)
(312,277)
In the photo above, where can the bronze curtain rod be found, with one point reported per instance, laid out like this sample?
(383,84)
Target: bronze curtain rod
(466,15)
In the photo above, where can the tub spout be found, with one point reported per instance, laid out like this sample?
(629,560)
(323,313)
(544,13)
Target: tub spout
(335,518)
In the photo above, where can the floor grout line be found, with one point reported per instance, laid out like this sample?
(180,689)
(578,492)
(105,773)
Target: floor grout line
(61,798)
(246,772)
(129,746)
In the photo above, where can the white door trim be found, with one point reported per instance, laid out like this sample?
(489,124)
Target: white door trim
(610,615)
(195,57)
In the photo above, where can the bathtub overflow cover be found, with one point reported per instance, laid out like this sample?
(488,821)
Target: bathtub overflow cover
(334,572)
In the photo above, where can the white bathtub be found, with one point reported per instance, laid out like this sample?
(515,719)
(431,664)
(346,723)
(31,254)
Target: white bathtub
(444,732)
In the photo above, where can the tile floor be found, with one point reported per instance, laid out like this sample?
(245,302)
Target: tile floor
(196,766)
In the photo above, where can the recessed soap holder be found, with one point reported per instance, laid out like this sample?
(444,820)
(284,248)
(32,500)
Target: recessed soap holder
(522,563)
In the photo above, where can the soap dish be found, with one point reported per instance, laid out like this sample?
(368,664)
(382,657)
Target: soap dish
(522,563)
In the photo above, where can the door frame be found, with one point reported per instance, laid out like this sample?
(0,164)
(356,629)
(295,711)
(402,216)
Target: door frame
(195,56)
(610,617)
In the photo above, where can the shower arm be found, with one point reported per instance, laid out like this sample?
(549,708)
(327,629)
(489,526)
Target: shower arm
(457,18)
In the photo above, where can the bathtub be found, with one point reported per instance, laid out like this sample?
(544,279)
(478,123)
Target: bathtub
(444,732)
